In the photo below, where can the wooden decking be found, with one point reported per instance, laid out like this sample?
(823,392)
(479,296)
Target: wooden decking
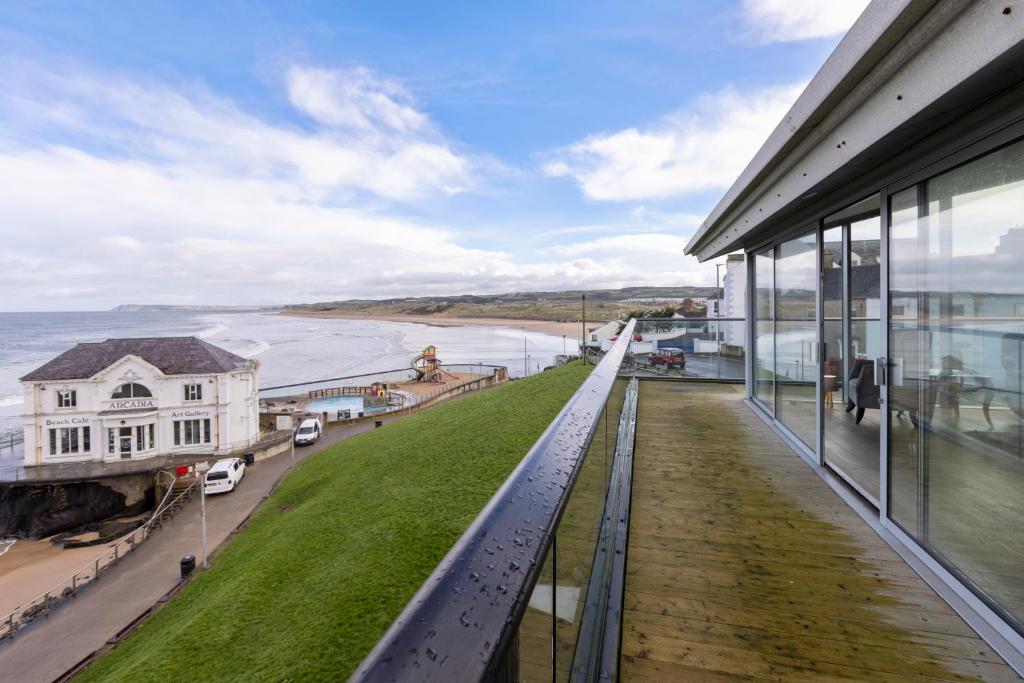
(743,564)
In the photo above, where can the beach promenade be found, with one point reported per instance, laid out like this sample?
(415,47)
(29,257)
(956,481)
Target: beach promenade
(139,580)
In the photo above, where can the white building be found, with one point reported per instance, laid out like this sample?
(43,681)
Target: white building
(734,305)
(125,399)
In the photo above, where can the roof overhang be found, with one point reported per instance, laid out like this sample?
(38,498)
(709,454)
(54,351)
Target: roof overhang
(889,82)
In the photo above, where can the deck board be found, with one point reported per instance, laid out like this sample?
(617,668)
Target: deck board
(744,565)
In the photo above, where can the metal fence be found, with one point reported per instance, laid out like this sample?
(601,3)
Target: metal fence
(384,376)
(40,606)
(509,599)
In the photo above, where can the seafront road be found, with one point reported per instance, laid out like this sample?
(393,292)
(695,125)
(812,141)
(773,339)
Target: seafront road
(47,648)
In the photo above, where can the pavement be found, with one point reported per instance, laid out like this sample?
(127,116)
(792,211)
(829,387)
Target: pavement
(47,648)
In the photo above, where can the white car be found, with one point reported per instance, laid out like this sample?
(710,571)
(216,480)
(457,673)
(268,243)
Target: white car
(308,432)
(224,475)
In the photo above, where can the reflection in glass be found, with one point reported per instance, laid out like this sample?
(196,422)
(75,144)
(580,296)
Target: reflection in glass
(851,282)
(956,337)
(796,366)
(764,332)
(535,630)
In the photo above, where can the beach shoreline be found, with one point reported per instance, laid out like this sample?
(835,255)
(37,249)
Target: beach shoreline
(570,330)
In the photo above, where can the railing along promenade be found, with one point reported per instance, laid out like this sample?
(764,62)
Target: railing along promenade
(543,557)
(398,375)
(40,606)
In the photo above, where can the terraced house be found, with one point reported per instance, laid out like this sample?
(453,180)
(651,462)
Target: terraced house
(855,507)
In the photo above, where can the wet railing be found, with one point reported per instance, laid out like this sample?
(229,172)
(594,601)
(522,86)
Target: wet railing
(525,593)
(41,605)
(688,348)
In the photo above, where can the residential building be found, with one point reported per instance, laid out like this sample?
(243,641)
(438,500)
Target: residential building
(139,398)
(882,226)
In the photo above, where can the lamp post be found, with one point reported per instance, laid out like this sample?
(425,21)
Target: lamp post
(583,331)
(202,512)
(718,316)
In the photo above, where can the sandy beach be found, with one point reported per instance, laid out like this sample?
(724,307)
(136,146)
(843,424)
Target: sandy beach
(554,328)
(30,568)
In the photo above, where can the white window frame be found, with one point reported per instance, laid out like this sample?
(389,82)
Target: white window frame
(67,398)
(194,392)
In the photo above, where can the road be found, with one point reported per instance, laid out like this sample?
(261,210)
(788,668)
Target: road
(48,647)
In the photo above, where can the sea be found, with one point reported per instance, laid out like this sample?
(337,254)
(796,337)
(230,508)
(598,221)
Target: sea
(290,349)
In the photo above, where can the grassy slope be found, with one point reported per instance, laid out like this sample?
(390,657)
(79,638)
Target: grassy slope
(329,561)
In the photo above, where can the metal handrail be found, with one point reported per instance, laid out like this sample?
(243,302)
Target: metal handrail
(89,572)
(463,621)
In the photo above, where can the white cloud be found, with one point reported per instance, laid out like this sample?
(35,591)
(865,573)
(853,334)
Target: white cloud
(779,21)
(114,190)
(356,98)
(365,144)
(700,148)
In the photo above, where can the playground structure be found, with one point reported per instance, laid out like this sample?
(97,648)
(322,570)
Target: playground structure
(428,368)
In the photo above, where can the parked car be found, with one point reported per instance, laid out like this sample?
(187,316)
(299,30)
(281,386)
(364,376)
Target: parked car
(669,357)
(308,432)
(224,475)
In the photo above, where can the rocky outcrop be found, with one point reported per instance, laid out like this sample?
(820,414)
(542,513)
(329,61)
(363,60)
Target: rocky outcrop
(38,510)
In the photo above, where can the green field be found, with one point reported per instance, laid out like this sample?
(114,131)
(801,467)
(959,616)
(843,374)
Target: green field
(602,304)
(324,567)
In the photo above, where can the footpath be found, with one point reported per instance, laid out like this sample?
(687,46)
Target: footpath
(48,647)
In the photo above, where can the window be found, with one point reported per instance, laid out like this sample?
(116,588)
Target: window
(69,440)
(191,432)
(110,440)
(152,441)
(131,390)
(140,440)
(67,398)
(193,392)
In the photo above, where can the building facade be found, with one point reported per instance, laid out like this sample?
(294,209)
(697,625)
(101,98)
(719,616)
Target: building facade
(124,399)
(883,222)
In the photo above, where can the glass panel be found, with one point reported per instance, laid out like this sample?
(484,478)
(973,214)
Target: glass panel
(688,347)
(796,366)
(535,630)
(764,329)
(578,532)
(957,391)
(851,436)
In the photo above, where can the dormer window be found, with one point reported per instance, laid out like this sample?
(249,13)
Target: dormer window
(67,398)
(131,390)
(193,392)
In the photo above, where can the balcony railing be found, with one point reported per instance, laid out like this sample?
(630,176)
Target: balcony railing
(527,591)
(688,348)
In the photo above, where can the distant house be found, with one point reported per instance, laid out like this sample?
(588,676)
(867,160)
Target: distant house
(597,337)
(125,399)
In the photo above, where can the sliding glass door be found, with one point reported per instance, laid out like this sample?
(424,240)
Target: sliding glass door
(956,384)
(796,337)
(851,338)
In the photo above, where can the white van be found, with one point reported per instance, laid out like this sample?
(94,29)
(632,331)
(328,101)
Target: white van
(308,431)
(224,475)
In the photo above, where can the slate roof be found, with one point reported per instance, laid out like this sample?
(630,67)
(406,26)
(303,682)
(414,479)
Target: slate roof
(172,355)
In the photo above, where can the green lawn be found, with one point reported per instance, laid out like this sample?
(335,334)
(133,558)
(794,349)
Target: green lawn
(329,561)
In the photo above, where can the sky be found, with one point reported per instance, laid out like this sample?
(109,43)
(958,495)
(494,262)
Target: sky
(284,152)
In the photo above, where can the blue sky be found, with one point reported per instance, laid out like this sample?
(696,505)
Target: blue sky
(279,152)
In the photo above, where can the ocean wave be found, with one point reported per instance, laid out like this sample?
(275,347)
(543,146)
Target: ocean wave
(256,347)
(5,546)
(213,331)
(8,401)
